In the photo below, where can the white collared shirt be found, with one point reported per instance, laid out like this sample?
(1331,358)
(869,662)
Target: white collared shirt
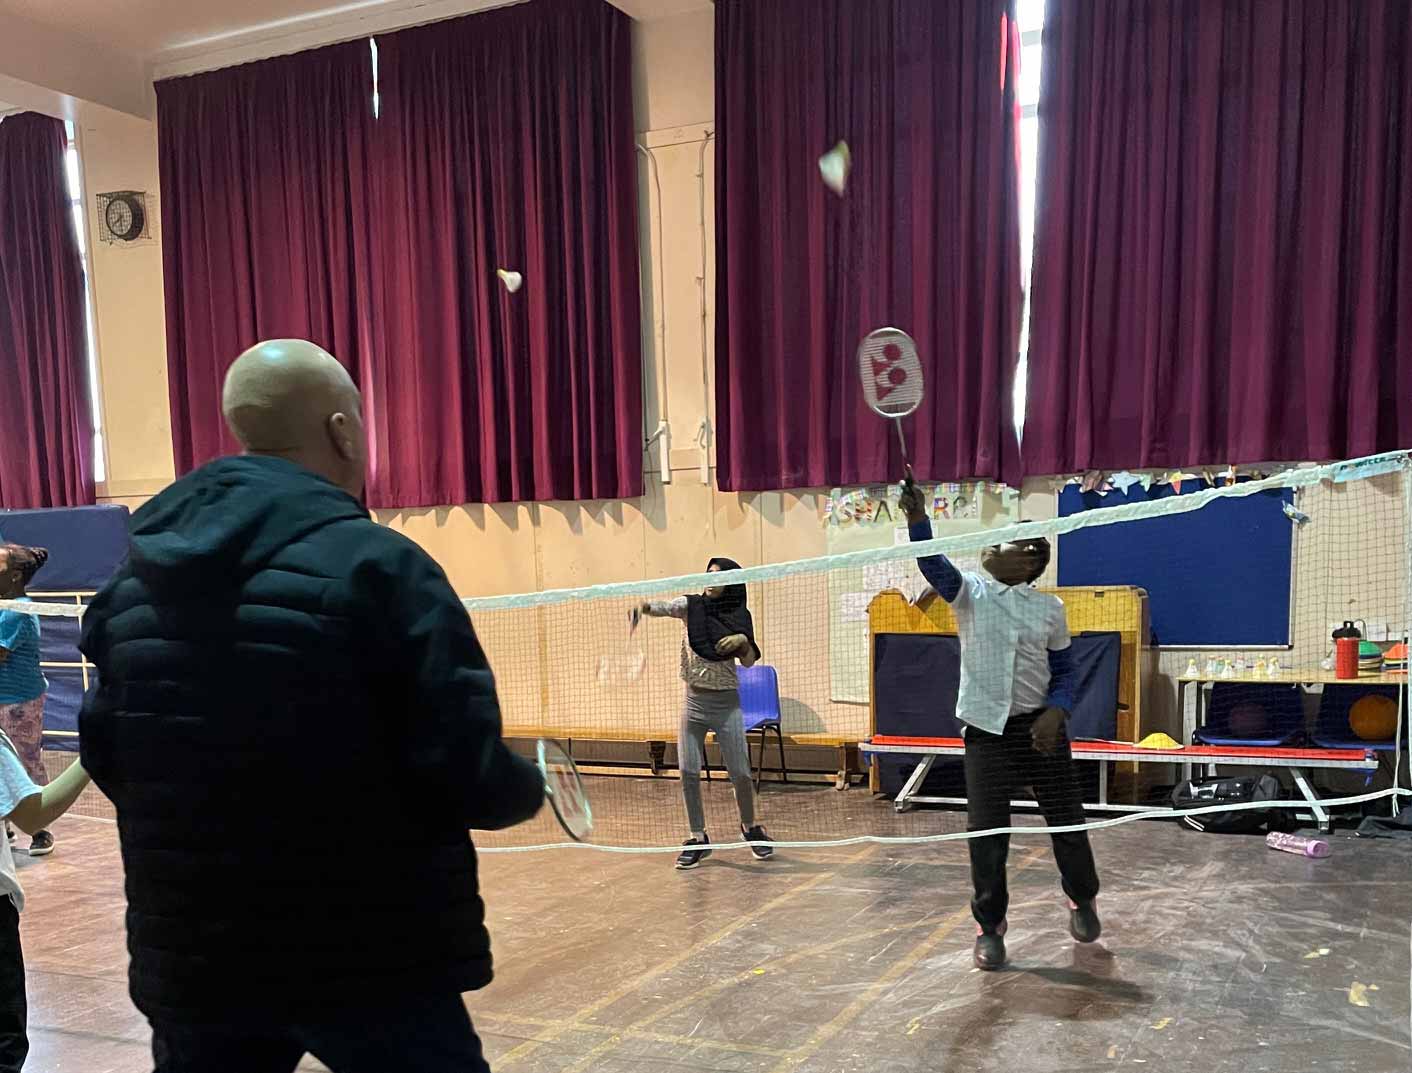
(1007,633)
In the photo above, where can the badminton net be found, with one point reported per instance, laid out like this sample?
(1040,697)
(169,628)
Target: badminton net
(858,648)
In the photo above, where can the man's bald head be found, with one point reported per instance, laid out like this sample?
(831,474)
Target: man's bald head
(292,399)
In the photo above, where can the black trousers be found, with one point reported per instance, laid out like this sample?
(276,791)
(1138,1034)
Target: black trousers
(998,765)
(14,1010)
(432,1035)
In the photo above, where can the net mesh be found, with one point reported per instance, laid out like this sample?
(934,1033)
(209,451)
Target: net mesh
(860,661)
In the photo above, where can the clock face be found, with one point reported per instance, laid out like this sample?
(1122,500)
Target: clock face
(122,221)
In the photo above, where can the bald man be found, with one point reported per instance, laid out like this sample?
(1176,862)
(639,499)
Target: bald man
(297,726)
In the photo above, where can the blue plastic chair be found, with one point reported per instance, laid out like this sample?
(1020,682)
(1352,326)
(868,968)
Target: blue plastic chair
(1331,729)
(1282,702)
(760,707)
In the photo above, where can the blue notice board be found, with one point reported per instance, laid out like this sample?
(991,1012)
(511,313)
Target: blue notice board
(1219,575)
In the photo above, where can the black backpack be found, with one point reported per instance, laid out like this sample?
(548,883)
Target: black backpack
(1197,793)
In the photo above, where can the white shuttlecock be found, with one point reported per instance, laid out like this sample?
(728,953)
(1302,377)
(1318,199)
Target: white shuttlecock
(834,166)
(512,280)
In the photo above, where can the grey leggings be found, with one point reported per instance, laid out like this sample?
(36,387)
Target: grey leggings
(715,710)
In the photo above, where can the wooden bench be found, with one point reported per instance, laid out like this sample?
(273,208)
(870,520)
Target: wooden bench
(656,739)
(847,763)
(652,739)
(1105,752)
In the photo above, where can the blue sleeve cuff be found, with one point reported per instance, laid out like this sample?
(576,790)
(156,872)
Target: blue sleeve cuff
(920,530)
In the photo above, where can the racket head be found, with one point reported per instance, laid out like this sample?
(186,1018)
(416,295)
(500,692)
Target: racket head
(563,787)
(890,372)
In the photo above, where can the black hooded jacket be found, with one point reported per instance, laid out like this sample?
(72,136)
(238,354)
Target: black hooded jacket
(289,693)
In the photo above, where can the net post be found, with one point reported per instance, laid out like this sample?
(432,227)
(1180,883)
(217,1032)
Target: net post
(1402,713)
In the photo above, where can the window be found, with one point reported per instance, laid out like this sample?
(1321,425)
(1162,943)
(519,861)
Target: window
(75,176)
(1029,14)
(377,99)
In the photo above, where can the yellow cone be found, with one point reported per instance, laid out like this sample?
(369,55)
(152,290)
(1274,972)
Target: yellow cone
(1159,741)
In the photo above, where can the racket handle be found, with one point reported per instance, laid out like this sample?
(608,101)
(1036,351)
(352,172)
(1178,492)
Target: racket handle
(902,442)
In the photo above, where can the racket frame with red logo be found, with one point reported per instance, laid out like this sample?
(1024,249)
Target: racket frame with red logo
(563,788)
(891,374)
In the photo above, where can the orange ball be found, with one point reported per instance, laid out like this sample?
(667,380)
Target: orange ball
(1374,717)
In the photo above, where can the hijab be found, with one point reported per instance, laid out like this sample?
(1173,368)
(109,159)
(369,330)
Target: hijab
(710,618)
(27,561)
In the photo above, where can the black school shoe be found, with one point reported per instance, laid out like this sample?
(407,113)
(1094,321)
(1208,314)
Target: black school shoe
(42,844)
(1084,924)
(755,836)
(990,948)
(689,857)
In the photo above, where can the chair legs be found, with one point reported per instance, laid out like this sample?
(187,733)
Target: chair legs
(760,761)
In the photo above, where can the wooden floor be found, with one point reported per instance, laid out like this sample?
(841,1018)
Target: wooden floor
(1220,957)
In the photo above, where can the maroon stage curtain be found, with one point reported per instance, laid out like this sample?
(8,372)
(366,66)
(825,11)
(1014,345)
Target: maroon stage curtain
(507,141)
(267,223)
(926,238)
(1223,259)
(46,431)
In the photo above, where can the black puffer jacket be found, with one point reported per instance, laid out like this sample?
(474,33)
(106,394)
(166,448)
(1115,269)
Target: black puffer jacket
(297,726)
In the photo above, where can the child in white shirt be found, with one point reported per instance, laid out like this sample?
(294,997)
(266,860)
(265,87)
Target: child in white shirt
(31,809)
(1017,690)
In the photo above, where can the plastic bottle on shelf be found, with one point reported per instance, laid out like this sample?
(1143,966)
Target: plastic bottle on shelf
(1260,666)
(1347,639)
(1191,669)
(1298,844)
(1273,670)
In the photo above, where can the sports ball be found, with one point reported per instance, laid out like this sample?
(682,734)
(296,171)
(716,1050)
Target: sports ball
(1374,717)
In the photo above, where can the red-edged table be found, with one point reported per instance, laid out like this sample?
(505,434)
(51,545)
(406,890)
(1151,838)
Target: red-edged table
(928,749)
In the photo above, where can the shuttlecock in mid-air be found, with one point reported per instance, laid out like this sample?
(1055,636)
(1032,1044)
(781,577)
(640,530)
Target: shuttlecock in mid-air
(834,167)
(512,280)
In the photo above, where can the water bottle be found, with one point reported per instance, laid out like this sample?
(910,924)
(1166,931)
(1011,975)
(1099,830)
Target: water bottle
(1347,638)
(1297,844)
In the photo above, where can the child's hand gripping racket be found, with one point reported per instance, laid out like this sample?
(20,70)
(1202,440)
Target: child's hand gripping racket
(563,787)
(891,374)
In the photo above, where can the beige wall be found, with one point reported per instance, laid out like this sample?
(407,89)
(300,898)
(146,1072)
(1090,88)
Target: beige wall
(119,152)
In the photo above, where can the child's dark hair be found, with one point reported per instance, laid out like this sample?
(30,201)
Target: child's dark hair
(28,561)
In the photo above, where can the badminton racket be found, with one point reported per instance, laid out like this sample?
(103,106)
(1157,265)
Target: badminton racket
(619,668)
(891,374)
(563,786)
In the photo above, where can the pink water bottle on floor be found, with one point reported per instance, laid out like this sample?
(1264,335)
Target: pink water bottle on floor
(1304,847)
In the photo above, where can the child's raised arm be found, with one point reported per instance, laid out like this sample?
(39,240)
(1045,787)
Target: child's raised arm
(664,608)
(939,571)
